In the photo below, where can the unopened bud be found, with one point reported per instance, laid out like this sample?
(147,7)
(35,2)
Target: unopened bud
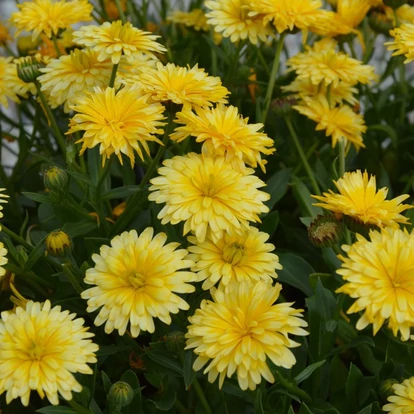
(175,341)
(120,395)
(380,23)
(283,106)
(28,69)
(57,243)
(56,179)
(25,44)
(325,231)
(385,389)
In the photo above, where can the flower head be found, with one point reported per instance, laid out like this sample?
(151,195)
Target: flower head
(119,123)
(4,34)
(49,16)
(403,43)
(207,194)
(338,122)
(224,132)
(137,279)
(231,17)
(112,40)
(195,19)
(378,274)
(240,328)
(40,349)
(3,259)
(57,242)
(403,400)
(189,87)
(234,257)
(3,200)
(359,199)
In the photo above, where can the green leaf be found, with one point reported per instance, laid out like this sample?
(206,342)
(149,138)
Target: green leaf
(270,223)
(56,410)
(39,198)
(352,387)
(37,253)
(366,410)
(111,349)
(277,186)
(94,161)
(303,197)
(131,378)
(189,373)
(295,272)
(308,371)
(165,361)
(80,228)
(121,192)
(82,178)
(235,390)
(106,382)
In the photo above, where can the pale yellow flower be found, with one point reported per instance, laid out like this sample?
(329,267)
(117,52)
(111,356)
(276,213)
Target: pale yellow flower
(402,402)
(3,259)
(195,19)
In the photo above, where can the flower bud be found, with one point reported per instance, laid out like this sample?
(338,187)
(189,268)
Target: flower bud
(28,69)
(56,179)
(120,395)
(385,389)
(325,230)
(283,106)
(25,44)
(380,23)
(57,243)
(175,341)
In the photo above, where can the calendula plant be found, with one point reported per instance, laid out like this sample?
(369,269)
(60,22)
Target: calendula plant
(205,207)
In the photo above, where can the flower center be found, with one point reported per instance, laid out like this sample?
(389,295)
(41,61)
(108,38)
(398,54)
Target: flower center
(210,189)
(137,280)
(233,253)
(36,352)
(116,125)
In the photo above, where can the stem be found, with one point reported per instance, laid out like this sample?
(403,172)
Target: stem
(56,45)
(103,174)
(272,80)
(302,156)
(120,11)
(341,157)
(59,138)
(201,396)
(72,278)
(16,237)
(78,408)
(180,407)
(113,75)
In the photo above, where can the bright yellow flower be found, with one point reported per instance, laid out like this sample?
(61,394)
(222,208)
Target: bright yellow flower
(224,132)
(358,198)
(136,280)
(352,12)
(379,276)
(112,40)
(57,243)
(189,87)
(66,78)
(231,18)
(338,122)
(49,16)
(322,63)
(3,200)
(403,43)
(40,349)
(403,400)
(119,123)
(240,328)
(208,194)
(3,259)
(404,14)
(195,19)
(234,257)
(4,34)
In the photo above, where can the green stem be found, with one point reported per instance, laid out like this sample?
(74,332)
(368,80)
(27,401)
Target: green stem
(341,157)
(78,408)
(120,11)
(302,156)
(213,54)
(56,45)
(273,75)
(72,278)
(180,407)
(201,396)
(103,174)
(113,75)
(16,237)
(59,138)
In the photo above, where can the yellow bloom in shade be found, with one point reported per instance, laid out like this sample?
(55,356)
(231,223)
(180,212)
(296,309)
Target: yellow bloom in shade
(3,200)
(40,349)
(208,195)
(359,199)
(402,402)
(189,87)
(49,16)
(378,274)
(112,40)
(66,78)
(136,280)
(3,259)
(322,63)
(338,122)
(403,43)
(119,123)
(234,257)
(231,18)
(224,132)
(240,328)
(195,19)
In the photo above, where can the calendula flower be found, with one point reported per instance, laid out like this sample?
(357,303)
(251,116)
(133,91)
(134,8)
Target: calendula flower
(40,349)
(402,402)
(338,122)
(240,328)
(136,280)
(3,200)
(118,122)
(359,199)
(322,63)
(378,274)
(195,19)
(224,132)
(50,16)
(189,87)
(113,40)
(207,194)
(66,78)
(231,18)
(403,43)
(234,257)
(404,14)
(3,259)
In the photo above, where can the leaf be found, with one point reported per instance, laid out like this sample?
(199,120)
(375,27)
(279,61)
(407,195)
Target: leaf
(352,387)
(308,371)
(56,410)
(36,254)
(80,228)
(106,382)
(366,410)
(234,390)
(82,178)
(111,349)
(303,196)
(277,186)
(131,378)
(188,372)
(270,223)
(295,272)
(121,192)
(39,198)
(165,361)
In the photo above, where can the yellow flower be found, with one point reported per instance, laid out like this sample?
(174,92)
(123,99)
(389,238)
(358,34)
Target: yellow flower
(4,34)
(404,14)
(119,123)
(112,40)
(224,132)
(403,400)
(234,257)
(403,43)
(379,276)
(66,78)
(3,200)
(207,194)
(195,19)
(57,242)
(40,349)
(49,16)
(358,198)
(3,259)
(240,328)
(136,280)
(339,122)
(189,87)
(231,17)
(322,63)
